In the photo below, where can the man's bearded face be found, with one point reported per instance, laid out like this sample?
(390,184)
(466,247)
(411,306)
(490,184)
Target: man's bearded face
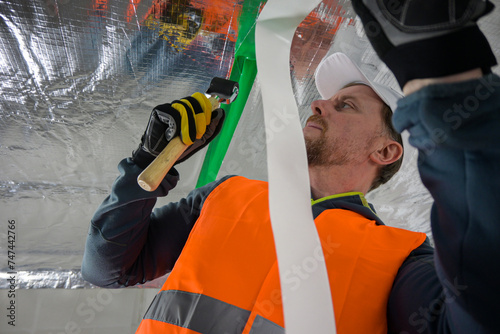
(323,151)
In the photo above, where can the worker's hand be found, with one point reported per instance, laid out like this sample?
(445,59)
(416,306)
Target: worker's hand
(427,39)
(191,118)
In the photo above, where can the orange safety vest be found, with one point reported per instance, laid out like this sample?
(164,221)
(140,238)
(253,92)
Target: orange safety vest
(226,278)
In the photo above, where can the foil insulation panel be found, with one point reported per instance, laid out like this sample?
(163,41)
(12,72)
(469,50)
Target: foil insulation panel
(78,82)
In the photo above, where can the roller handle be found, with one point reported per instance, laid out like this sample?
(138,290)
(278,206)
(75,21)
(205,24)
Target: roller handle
(151,177)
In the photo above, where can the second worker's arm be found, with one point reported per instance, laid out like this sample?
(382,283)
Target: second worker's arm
(455,125)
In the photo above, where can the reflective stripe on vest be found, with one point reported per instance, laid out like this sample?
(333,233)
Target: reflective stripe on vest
(197,312)
(229,263)
(263,326)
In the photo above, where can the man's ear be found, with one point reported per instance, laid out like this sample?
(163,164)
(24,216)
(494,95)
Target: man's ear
(387,154)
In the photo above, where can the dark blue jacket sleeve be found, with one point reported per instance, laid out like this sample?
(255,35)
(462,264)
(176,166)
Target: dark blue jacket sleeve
(129,243)
(456,128)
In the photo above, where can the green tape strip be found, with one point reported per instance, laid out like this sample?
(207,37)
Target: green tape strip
(244,71)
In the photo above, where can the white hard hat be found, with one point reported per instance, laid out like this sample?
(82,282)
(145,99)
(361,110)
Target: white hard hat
(337,70)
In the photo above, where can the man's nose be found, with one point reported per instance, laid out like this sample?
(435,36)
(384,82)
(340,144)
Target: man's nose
(317,107)
(320,107)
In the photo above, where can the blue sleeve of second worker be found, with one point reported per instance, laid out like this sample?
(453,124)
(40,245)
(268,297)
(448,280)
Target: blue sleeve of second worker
(456,128)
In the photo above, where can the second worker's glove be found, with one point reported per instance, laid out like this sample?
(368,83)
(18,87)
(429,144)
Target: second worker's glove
(420,39)
(191,118)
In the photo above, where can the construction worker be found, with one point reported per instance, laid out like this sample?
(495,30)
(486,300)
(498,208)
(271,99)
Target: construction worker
(217,243)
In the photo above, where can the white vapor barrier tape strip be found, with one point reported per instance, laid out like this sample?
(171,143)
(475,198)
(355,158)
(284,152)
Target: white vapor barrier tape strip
(307,306)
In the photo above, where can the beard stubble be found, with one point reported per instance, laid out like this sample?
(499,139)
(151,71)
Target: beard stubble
(325,151)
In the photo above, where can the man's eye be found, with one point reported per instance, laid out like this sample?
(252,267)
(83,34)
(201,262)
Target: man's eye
(343,106)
